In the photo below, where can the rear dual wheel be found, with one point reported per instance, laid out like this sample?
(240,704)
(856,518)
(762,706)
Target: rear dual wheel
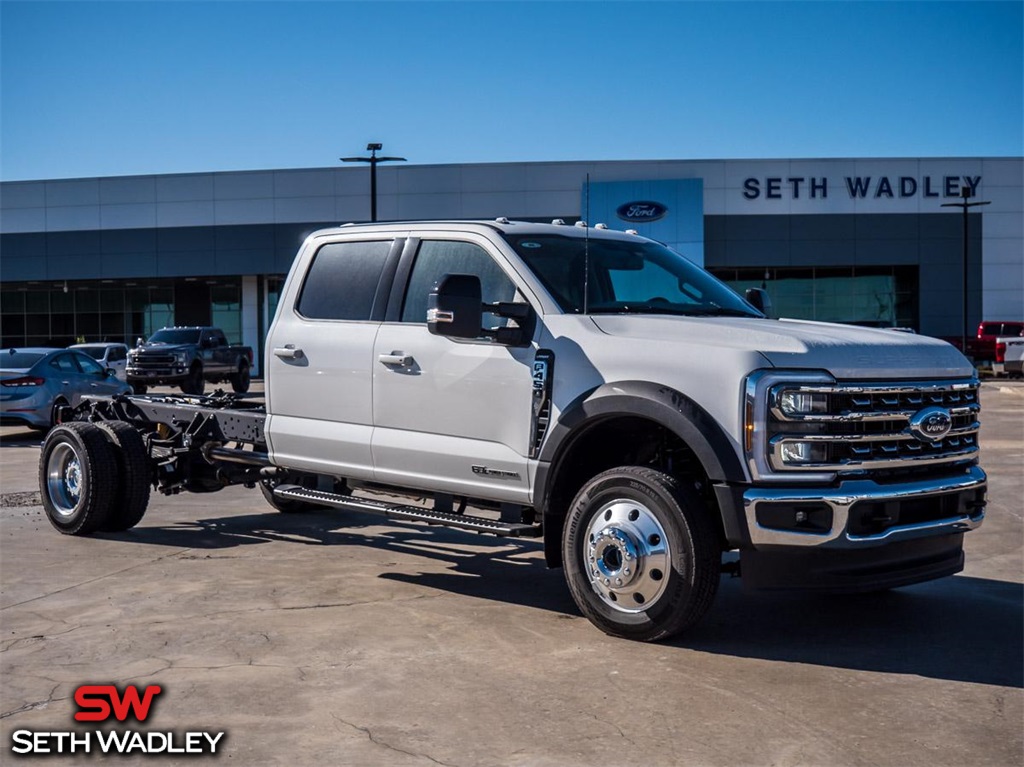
(641,555)
(93,477)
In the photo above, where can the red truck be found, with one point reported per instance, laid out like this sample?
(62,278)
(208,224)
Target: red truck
(983,347)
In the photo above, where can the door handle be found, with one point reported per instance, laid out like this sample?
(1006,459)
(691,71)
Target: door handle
(288,352)
(399,359)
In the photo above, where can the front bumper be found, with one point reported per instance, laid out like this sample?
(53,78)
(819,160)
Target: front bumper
(156,375)
(864,513)
(861,535)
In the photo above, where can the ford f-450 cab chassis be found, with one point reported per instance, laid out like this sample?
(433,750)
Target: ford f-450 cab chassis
(588,387)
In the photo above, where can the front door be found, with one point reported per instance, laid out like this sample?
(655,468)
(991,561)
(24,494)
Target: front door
(452,415)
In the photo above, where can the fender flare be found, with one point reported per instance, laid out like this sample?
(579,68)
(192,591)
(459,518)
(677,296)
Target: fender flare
(661,404)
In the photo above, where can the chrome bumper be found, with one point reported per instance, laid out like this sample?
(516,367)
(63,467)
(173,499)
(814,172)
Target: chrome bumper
(843,498)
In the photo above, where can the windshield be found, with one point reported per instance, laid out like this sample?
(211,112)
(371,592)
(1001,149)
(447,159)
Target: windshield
(15,360)
(625,277)
(96,352)
(175,336)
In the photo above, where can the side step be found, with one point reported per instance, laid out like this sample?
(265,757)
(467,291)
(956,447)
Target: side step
(408,513)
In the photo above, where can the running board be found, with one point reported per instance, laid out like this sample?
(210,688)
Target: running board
(407,513)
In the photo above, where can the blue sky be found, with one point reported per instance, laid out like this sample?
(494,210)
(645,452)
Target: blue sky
(116,88)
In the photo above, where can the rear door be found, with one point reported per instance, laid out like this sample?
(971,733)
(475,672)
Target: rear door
(451,415)
(117,357)
(319,355)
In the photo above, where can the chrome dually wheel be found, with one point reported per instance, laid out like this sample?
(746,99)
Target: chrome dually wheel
(641,553)
(627,556)
(78,478)
(64,479)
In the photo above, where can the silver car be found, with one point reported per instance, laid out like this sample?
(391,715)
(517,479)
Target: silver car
(35,382)
(109,355)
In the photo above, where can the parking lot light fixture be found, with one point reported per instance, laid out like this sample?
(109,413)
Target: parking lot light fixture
(373,159)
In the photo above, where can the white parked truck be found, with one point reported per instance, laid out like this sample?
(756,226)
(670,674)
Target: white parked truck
(588,387)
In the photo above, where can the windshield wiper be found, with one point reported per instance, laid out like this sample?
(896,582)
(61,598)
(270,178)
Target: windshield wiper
(635,309)
(695,311)
(718,311)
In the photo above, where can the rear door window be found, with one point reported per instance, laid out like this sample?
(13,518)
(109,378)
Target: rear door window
(342,280)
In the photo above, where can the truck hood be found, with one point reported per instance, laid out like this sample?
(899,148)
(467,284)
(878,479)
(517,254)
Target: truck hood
(164,348)
(845,351)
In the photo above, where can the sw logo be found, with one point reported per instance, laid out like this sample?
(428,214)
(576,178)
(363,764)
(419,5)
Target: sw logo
(104,703)
(96,702)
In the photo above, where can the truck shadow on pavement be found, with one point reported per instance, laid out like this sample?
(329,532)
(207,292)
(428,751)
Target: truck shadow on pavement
(959,629)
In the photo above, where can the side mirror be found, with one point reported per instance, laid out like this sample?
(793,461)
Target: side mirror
(758,298)
(140,341)
(111,373)
(455,307)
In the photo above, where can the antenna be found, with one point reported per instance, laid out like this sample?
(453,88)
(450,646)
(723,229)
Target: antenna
(586,249)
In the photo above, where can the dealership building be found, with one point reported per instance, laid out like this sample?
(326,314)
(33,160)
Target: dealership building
(871,241)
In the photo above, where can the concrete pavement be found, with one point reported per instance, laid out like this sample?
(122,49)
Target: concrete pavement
(334,638)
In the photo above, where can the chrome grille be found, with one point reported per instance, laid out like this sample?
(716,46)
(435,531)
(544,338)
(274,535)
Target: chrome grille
(868,427)
(147,361)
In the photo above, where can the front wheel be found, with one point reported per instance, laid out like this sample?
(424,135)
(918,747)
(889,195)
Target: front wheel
(641,555)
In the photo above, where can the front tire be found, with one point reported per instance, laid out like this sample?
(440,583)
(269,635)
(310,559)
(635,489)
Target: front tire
(78,478)
(641,555)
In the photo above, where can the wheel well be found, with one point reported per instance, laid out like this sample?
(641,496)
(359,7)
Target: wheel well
(618,441)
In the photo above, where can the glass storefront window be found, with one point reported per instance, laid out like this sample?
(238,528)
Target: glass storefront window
(873,296)
(226,311)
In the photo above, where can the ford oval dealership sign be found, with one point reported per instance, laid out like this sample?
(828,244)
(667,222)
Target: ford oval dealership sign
(641,212)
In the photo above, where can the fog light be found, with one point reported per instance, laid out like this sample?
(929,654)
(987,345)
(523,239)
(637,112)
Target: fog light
(803,403)
(804,452)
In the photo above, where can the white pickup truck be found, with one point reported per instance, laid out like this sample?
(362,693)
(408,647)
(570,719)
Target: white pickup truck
(589,387)
(1010,355)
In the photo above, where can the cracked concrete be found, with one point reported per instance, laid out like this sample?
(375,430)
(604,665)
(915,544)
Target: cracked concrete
(336,638)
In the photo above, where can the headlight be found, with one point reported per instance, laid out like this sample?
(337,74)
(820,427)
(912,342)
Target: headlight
(780,423)
(802,403)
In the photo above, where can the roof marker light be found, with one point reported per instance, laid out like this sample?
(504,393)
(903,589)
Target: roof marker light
(501,220)
(558,222)
(600,226)
(581,224)
(632,231)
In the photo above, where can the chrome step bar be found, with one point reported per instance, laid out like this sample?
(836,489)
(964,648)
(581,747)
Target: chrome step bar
(407,513)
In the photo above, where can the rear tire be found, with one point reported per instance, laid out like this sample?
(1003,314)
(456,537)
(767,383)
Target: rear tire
(641,555)
(78,478)
(132,496)
(240,380)
(139,388)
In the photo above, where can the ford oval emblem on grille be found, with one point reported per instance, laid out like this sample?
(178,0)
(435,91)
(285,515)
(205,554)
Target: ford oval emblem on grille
(641,211)
(931,424)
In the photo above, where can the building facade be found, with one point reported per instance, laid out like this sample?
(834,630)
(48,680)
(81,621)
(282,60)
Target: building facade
(871,241)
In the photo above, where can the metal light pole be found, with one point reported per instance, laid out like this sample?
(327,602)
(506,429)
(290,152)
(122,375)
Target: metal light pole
(965,193)
(373,159)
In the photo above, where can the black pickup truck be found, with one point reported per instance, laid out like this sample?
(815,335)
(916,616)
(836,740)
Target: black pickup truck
(188,357)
